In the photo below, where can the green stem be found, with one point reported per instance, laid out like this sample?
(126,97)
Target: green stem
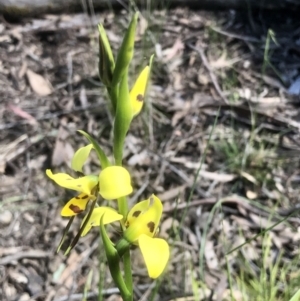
(123,209)
(122,246)
(120,98)
(128,272)
(113,94)
(101,273)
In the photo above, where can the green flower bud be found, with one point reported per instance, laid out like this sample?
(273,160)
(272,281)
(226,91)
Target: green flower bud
(126,52)
(106,58)
(122,120)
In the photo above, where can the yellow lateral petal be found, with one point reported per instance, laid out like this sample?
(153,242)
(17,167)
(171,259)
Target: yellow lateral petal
(80,157)
(137,93)
(84,184)
(114,182)
(136,210)
(146,222)
(76,205)
(110,216)
(156,254)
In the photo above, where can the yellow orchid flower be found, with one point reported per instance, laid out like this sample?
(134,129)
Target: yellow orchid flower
(114,182)
(137,93)
(142,224)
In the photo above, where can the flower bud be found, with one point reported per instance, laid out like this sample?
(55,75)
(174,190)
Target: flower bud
(126,52)
(106,60)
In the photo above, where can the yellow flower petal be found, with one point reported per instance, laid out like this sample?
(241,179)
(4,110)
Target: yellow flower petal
(76,205)
(156,254)
(80,157)
(114,182)
(84,184)
(110,216)
(146,221)
(137,93)
(136,210)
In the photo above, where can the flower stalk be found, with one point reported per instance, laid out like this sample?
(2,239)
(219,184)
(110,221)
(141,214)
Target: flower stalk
(139,225)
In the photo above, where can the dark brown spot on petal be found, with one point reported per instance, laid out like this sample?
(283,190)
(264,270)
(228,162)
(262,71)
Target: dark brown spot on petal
(75,209)
(84,197)
(140,97)
(151,226)
(127,224)
(79,174)
(136,213)
(77,197)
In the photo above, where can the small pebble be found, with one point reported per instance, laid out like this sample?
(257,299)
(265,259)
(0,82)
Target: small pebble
(10,291)
(24,297)
(28,217)
(18,277)
(6,217)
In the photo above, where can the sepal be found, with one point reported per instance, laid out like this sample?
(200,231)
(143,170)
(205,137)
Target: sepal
(65,233)
(100,153)
(80,157)
(76,238)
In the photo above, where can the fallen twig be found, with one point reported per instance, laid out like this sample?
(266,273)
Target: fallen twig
(32,254)
(213,77)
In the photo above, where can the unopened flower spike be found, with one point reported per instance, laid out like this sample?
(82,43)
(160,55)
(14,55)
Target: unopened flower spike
(142,224)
